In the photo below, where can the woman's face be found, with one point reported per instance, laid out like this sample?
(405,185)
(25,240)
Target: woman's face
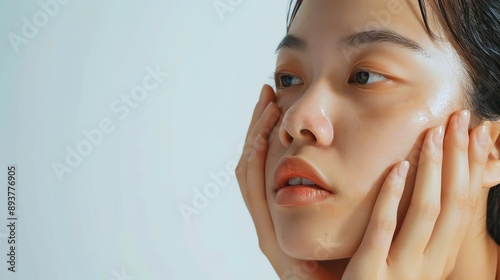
(358,91)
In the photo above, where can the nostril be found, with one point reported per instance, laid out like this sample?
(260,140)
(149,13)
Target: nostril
(285,137)
(306,132)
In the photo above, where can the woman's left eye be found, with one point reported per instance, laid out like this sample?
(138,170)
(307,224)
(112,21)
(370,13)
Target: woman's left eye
(364,77)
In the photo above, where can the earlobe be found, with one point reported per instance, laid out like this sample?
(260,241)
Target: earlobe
(491,176)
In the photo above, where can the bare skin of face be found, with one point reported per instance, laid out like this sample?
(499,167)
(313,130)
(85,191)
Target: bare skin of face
(361,88)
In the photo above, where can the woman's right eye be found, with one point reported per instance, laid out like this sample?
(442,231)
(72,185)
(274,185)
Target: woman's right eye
(287,80)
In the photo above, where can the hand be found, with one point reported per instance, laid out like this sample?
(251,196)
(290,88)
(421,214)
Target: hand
(250,175)
(448,183)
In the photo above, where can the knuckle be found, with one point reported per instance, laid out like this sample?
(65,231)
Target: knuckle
(266,131)
(240,183)
(394,187)
(386,226)
(461,198)
(431,210)
(473,200)
(251,158)
(392,190)
(430,155)
(249,200)
(244,153)
(239,170)
(264,247)
(480,159)
(449,267)
(247,151)
(435,274)
(461,143)
(414,158)
(437,269)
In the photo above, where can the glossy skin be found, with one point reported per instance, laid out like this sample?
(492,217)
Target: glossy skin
(354,133)
(356,137)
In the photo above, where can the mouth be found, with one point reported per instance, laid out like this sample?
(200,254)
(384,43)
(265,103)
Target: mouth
(298,183)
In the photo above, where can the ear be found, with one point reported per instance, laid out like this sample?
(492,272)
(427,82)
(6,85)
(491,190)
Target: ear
(491,176)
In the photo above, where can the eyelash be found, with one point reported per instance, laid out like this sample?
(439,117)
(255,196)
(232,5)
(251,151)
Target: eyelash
(278,75)
(277,79)
(368,71)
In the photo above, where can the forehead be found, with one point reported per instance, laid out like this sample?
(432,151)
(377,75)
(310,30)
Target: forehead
(322,21)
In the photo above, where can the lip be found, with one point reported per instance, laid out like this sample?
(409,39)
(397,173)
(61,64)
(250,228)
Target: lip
(299,195)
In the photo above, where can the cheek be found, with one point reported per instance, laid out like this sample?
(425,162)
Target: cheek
(369,150)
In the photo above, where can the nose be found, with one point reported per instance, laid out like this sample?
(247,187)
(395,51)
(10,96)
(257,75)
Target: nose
(308,119)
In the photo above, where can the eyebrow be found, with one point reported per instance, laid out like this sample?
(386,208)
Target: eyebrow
(292,42)
(358,40)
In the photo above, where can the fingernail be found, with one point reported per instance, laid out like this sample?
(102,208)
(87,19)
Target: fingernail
(482,135)
(403,168)
(438,135)
(463,120)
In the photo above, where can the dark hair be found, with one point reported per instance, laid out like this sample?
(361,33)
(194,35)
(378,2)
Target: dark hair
(472,28)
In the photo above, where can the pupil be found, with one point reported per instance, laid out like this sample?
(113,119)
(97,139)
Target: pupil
(362,77)
(286,80)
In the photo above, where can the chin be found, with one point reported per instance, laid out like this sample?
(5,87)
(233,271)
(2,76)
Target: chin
(310,238)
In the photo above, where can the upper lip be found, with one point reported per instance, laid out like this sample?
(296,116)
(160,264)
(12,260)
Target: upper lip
(292,167)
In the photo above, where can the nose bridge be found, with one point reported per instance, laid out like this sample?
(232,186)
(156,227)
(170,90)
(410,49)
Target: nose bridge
(310,117)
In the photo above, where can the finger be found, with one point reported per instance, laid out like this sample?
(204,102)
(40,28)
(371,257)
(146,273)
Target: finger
(265,122)
(478,156)
(262,127)
(256,193)
(455,188)
(424,207)
(266,95)
(374,247)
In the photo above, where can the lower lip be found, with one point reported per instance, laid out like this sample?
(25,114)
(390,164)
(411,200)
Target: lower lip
(300,195)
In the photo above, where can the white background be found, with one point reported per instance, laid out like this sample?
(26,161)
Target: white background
(116,214)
